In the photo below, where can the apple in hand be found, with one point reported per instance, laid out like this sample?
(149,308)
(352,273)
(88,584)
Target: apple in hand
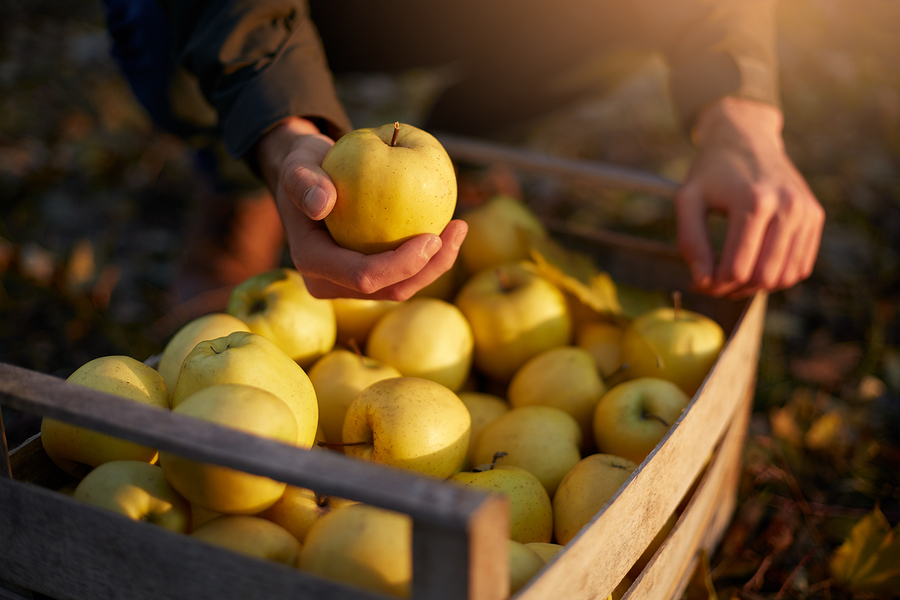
(500,230)
(75,449)
(277,305)
(530,511)
(338,377)
(362,545)
(251,359)
(674,344)
(207,327)
(585,489)
(425,337)
(566,378)
(393,183)
(246,408)
(137,490)
(409,423)
(299,508)
(355,318)
(483,408)
(632,417)
(515,314)
(252,536)
(541,439)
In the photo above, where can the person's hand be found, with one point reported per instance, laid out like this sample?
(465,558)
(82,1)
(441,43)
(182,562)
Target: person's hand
(774,221)
(290,159)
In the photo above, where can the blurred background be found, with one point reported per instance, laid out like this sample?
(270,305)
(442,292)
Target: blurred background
(93,202)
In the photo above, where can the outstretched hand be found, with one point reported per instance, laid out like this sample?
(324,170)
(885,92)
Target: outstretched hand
(290,158)
(774,221)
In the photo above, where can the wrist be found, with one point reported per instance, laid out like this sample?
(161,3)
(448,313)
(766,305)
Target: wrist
(732,120)
(275,145)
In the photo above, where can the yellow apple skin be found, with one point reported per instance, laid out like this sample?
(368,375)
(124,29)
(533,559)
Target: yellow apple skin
(530,511)
(362,545)
(200,515)
(221,489)
(499,232)
(252,536)
(483,408)
(207,327)
(409,423)
(546,550)
(338,377)
(524,563)
(137,490)
(388,194)
(72,447)
(515,314)
(678,345)
(277,305)
(585,489)
(425,337)
(632,417)
(355,318)
(541,439)
(299,508)
(252,359)
(566,378)
(604,341)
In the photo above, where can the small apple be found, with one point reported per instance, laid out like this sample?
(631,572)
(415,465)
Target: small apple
(393,183)
(515,314)
(500,230)
(674,344)
(425,337)
(75,449)
(632,417)
(524,563)
(362,545)
(585,489)
(137,490)
(245,408)
(546,550)
(530,511)
(565,377)
(299,508)
(483,408)
(251,359)
(252,536)
(541,439)
(355,318)
(604,341)
(338,377)
(410,423)
(277,305)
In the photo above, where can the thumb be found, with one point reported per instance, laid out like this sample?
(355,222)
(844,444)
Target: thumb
(693,238)
(308,187)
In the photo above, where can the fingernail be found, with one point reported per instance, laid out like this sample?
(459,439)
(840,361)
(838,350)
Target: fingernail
(432,246)
(315,201)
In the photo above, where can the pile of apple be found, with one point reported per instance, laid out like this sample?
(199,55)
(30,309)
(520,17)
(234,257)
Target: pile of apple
(508,374)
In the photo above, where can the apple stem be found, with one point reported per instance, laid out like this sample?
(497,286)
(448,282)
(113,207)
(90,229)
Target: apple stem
(497,456)
(396,133)
(676,301)
(354,347)
(655,417)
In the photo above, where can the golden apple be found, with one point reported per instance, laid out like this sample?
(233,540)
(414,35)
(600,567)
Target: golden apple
(674,344)
(206,327)
(355,318)
(515,314)
(483,408)
(362,545)
(604,341)
(410,423)
(524,563)
(546,550)
(277,305)
(632,417)
(299,508)
(252,536)
(541,439)
(252,359)
(393,183)
(72,447)
(246,408)
(137,490)
(585,489)
(338,377)
(500,231)
(530,511)
(566,378)
(425,337)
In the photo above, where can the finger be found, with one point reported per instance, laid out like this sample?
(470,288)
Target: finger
(743,241)
(452,237)
(306,184)
(693,239)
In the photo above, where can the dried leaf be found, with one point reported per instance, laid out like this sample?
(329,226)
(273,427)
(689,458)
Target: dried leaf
(869,559)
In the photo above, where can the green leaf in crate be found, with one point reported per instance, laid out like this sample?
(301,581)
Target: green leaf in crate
(869,559)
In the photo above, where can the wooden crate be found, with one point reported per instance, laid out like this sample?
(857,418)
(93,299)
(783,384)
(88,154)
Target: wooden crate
(65,549)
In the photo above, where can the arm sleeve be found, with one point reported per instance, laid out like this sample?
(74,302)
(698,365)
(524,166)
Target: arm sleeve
(257,62)
(716,48)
